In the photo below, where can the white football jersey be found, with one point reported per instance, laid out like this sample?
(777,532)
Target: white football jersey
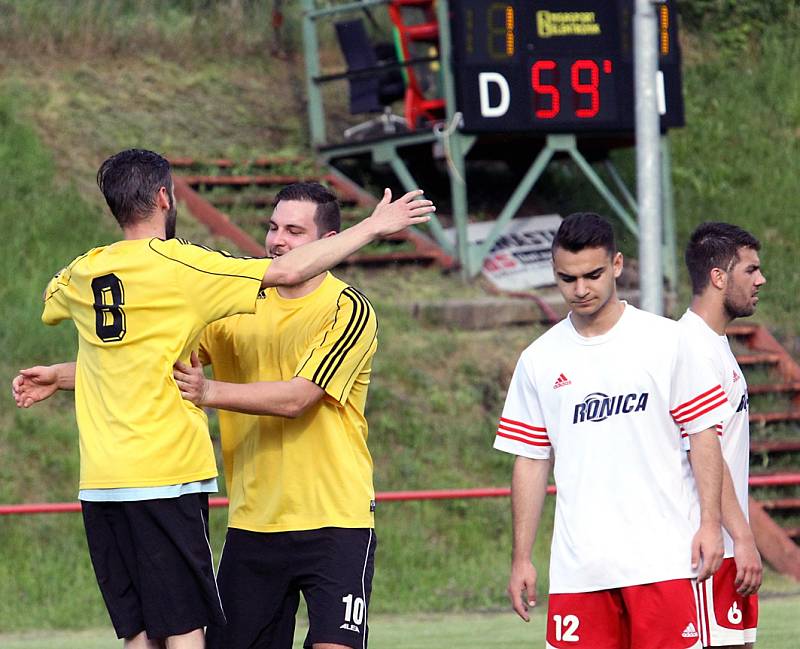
(735,431)
(610,407)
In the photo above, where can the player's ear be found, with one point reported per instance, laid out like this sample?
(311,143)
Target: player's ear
(328,235)
(718,278)
(163,198)
(617,263)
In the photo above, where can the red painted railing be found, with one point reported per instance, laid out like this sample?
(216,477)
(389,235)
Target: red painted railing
(774,480)
(385,496)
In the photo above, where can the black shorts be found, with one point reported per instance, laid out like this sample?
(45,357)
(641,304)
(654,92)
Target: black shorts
(261,576)
(153,563)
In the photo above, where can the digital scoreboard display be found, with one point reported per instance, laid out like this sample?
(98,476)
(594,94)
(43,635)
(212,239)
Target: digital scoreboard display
(557,66)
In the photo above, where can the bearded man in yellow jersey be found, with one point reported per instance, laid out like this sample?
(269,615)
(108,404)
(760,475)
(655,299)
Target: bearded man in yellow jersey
(147,463)
(299,476)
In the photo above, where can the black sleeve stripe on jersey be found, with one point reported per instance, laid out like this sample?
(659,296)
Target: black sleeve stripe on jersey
(324,339)
(202,270)
(347,340)
(368,349)
(357,366)
(355,336)
(354,327)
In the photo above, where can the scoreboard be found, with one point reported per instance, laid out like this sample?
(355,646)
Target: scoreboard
(557,66)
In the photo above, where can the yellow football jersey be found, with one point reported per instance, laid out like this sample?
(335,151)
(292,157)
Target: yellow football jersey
(139,306)
(313,471)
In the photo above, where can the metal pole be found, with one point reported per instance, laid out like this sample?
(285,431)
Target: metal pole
(648,167)
(670,237)
(458,146)
(316,113)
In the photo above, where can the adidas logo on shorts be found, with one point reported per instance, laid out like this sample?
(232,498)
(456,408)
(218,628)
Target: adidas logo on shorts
(352,627)
(689,631)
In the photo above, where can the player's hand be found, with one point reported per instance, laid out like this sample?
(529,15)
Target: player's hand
(392,216)
(522,588)
(707,550)
(749,571)
(191,381)
(34,384)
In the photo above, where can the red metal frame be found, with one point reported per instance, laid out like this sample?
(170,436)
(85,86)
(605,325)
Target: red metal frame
(778,479)
(418,107)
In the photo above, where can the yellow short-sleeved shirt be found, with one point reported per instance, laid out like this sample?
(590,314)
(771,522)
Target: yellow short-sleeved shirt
(313,471)
(139,306)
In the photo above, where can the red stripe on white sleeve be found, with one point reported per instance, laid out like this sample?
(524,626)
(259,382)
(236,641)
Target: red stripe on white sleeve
(524,433)
(519,423)
(697,398)
(689,410)
(522,439)
(717,402)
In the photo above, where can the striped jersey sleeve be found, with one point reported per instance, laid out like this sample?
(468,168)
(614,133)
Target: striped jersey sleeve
(522,430)
(343,349)
(697,400)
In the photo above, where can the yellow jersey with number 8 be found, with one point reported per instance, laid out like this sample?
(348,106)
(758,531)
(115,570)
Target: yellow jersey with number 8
(140,305)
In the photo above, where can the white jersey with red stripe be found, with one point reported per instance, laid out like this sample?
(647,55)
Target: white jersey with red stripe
(735,431)
(610,407)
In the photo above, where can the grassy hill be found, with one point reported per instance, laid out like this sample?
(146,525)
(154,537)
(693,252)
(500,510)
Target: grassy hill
(78,87)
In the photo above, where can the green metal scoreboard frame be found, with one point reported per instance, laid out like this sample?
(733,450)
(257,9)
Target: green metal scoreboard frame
(557,66)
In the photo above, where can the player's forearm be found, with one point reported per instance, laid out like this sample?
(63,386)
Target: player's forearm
(707,463)
(65,375)
(733,518)
(528,489)
(279,398)
(311,259)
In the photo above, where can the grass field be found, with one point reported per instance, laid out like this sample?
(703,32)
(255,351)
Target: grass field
(778,629)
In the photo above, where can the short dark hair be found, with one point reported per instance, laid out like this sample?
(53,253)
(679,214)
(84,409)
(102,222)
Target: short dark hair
(585,230)
(327,215)
(715,245)
(130,181)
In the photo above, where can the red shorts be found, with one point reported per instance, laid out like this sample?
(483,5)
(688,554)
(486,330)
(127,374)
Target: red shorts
(726,617)
(662,615)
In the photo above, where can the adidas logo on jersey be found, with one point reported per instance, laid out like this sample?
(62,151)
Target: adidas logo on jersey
(689,631)
(561,381)
(736,376)
(599,407)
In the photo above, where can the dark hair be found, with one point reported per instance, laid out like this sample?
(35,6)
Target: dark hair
(327,216)
(715,245)
(130,181)
(585,230)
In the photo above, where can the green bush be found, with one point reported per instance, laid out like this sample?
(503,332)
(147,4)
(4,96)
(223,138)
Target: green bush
(734,24)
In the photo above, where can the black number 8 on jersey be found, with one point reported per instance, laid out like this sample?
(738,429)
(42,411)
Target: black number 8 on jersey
(109,296)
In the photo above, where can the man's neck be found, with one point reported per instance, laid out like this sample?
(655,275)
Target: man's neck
(145,229)
(601,322)
(712,312)
(301,290)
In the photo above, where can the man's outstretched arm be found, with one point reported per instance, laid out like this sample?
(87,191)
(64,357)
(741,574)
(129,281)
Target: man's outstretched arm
(311,259)
(35,384)
(280,398)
